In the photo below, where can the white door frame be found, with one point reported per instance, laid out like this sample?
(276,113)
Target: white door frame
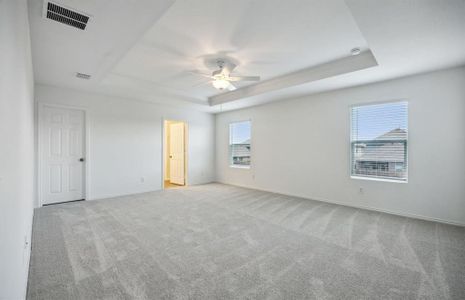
(186,150)
(86,140)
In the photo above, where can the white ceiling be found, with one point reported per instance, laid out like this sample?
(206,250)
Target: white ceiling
(144,49)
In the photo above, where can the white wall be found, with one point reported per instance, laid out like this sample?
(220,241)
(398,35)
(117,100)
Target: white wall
(301,147)
(126,141)
(16,148)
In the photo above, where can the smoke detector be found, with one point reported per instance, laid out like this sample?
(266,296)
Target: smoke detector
(355,51)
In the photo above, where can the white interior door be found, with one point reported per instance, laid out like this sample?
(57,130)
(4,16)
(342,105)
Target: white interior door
(62,155)
(176,152)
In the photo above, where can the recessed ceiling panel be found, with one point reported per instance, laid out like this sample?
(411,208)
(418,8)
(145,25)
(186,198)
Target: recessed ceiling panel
(266,38)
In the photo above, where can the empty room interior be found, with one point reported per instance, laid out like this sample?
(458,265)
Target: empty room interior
(216,149)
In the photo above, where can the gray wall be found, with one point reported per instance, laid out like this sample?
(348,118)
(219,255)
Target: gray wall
(16,148)
(301,147)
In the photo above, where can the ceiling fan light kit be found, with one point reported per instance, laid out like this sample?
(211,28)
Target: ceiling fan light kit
(221,78)
(220,84)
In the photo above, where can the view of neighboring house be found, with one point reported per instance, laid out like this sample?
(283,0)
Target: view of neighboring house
(240,153)
(385,156)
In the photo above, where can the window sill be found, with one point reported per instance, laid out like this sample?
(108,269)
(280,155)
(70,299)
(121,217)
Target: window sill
(239,167)
(379,179)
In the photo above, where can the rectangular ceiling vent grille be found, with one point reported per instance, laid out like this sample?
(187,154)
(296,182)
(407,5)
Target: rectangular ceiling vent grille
(66,16)
(82,75)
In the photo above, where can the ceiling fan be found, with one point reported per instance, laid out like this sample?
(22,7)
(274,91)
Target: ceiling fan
(221,79)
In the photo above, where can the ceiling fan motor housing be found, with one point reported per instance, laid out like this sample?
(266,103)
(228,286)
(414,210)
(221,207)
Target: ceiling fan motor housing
(220,63)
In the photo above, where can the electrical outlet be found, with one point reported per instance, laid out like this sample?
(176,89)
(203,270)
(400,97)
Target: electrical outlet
(26,242)
(142,180)
(26,250)
(361,190)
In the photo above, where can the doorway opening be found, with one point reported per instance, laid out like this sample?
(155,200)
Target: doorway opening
(175,154)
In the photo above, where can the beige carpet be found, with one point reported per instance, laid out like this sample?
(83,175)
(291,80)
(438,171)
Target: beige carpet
(222,242)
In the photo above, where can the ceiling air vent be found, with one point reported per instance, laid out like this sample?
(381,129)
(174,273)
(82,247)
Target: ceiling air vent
(82,75)
(64,15)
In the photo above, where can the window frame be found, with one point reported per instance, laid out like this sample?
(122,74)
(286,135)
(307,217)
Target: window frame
(408,145)
(231,165)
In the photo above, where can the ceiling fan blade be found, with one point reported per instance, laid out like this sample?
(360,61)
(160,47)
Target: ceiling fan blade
(231,87)
(244,78)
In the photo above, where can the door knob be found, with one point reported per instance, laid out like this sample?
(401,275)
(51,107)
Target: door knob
(81,159)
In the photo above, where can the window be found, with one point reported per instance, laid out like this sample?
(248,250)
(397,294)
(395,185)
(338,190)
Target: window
(379,141)
(239,144)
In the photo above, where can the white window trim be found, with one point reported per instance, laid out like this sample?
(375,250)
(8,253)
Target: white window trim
(240,166)
(378,179)
(251,146)
(387,180)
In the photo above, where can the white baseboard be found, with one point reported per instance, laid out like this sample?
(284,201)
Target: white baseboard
(28,255)
(115,195)
(396,213)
